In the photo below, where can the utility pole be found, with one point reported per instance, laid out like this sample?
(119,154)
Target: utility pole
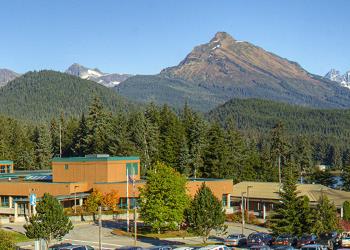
(242,209)
(135,219)
(279,169)
(248,187)
(60,140)
(100,228)
(127,199)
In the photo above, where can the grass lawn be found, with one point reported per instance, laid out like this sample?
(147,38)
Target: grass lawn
(18,237)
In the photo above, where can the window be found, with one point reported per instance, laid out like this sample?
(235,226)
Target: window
(133,168)
(66,167)
(4,201)
(224,200)
(2,169)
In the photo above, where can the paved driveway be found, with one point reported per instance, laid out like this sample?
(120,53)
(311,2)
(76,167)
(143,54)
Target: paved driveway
(87,234)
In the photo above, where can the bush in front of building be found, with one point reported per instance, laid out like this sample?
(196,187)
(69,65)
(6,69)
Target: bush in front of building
(237,218)
(7,241)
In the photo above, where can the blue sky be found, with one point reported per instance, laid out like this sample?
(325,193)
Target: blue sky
(147,35)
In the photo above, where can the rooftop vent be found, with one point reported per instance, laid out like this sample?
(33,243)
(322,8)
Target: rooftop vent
(97,155)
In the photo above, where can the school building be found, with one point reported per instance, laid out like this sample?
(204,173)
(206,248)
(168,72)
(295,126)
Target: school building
(72,179)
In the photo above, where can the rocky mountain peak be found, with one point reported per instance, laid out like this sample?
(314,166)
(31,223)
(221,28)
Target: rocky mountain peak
(222,37)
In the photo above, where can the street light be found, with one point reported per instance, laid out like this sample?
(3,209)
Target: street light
(248,202)
(242,209)
(75,200)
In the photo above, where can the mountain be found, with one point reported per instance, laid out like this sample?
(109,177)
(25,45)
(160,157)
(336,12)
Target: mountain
(39,96)
(225,68)
(7,75)
(106,79)
(335,75)
(262,115)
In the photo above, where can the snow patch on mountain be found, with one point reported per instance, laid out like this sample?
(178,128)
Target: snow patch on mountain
(336,76)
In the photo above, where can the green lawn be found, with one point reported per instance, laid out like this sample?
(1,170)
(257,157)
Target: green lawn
(18,237)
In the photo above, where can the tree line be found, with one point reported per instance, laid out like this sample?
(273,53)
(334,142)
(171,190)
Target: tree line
(183,139)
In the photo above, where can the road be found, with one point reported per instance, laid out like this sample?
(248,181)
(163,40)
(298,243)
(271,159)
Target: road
(87,234)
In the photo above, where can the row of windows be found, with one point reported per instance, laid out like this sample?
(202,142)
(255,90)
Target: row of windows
(5,169)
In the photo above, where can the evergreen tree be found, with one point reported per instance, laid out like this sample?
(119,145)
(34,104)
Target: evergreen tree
(216,153)
(50,222)
(346,207)
(292,213)
(80,138)
(326,216)
(205,213)
(346,177)
(279,145)
(163,198)
(42,148)
(98,128)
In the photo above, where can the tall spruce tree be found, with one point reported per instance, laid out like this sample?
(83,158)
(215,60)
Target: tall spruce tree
(326,216)
(216,153)
(42,148)
(292,214)
(205,213)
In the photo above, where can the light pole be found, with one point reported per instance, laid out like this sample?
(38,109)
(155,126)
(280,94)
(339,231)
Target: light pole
(242,209)
(75,200)
(248,187)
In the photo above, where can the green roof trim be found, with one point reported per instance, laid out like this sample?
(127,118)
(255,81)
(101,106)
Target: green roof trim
(98,158)
(6,162)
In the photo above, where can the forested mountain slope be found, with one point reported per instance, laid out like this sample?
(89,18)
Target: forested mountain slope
(45,94)
(262,115)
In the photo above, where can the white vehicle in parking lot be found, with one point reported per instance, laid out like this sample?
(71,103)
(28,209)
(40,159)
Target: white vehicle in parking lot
(214,247)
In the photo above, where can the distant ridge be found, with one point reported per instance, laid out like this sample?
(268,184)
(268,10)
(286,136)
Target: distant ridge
(39,96)
(106,79)
(7,75)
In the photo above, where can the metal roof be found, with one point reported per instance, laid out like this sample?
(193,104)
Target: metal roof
(6,162)
(95,158)
(270,191)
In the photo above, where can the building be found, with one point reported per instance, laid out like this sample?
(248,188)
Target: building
(261,197)
(72,179)
(6,167)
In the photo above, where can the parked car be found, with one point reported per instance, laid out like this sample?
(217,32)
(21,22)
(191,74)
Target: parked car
(279,247)
(345,241)
(330,240)
(214,247)
(59,246)
(307,239)
(260,247)
(76,247)
(160,248)
(259,239)
(235,240)
(183,248)
(286,240)
(130,248)
(313,247)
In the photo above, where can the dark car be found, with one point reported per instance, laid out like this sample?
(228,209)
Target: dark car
(235,240)
(260,247)
(307,239)
(279,247)
(329,239)
(286,240)
(59,246)
(160,248)
(259,239)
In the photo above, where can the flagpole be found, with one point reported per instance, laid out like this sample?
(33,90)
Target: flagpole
(127,199)
(135,218)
